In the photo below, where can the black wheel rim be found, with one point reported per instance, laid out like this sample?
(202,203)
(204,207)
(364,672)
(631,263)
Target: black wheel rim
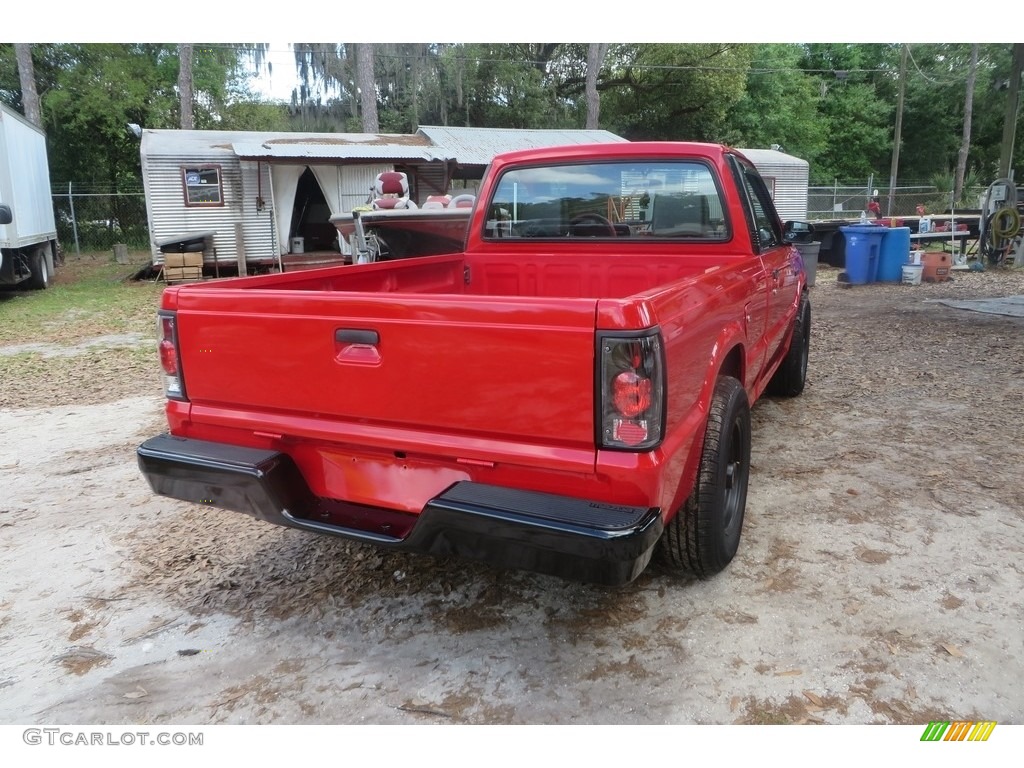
(805,346)
(735,481)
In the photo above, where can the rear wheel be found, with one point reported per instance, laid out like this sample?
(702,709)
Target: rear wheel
(704,536)
(40,278)
(791,376)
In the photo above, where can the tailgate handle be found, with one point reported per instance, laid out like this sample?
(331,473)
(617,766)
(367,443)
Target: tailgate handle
(356,336)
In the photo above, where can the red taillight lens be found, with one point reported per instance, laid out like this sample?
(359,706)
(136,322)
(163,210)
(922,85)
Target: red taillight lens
(168,358)
(167,347)
(168,354)
(631,394)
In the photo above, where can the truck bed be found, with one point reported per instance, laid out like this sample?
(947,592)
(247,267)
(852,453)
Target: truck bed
(420,374)
(601,275)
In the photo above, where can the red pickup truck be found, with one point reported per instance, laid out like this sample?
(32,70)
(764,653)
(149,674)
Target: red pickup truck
(569,394)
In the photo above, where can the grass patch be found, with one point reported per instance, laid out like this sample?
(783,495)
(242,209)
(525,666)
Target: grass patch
(89,296)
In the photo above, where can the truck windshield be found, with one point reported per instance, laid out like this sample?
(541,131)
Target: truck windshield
(652,199)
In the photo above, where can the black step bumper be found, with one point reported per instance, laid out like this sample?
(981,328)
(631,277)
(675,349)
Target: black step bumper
(557,535)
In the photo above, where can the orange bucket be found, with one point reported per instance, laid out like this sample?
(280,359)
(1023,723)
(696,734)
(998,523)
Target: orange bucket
(936,267)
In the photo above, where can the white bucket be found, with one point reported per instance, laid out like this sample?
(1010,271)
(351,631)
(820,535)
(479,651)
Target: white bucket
(298,244)
(912,274)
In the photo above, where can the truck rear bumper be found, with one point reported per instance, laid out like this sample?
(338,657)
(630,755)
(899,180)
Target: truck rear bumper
(557,535)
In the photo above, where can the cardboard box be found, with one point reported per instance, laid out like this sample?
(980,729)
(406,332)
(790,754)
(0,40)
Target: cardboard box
(183,259)
(173,274)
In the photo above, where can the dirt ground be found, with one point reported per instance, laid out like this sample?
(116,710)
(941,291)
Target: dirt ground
(879,579)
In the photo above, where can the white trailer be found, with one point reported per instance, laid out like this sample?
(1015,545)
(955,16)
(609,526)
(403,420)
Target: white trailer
(28,243)
(787,178)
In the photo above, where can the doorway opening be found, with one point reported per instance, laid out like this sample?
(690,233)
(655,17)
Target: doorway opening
(311,228)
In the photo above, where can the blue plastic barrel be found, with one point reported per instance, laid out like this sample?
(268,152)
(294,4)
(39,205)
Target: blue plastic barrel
(863,243)
(894,253)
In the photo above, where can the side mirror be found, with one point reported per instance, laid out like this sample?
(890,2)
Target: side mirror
(5,214)
(798,232)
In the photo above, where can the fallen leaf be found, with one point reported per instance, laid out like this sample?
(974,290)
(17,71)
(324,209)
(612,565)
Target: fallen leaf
(952,650)
(814,699)
(734,703)
(189,652)
(82,653)
(853,492)
(138,693)
(153,628)
(422,710)
(789,673)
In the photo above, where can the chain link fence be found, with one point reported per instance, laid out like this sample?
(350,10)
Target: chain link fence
(90,219)
(845,201)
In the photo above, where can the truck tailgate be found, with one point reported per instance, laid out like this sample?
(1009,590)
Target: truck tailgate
(493,367)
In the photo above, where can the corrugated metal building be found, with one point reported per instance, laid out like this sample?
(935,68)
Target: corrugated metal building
(264,195)
(787,178)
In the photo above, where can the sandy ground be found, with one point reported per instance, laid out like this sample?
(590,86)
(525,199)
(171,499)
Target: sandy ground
(879,579)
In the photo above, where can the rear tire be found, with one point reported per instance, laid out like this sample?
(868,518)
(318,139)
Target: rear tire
(704,535)
(40,279)
(791,377)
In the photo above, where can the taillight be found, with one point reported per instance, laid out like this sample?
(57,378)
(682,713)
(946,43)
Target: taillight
(632,392)
(168,348)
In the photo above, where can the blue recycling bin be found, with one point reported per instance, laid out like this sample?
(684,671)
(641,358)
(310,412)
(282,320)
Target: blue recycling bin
(893,254)
(863,244)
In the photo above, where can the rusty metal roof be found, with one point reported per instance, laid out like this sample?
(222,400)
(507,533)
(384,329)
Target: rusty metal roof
(477,146)
(467,146)
(336,151)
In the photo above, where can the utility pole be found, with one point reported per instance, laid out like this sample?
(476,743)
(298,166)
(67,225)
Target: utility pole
(898,137)
(1012,105)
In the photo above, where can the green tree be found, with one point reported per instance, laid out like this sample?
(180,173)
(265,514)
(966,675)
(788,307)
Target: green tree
(673,92)
(780,105)
(90,93)
(855,117)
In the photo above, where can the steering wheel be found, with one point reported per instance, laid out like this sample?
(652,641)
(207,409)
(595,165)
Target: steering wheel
(595,220)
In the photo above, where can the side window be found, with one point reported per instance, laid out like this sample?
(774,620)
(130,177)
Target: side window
(761,216)
(765,220)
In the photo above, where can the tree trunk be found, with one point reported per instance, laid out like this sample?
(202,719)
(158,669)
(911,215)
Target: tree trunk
(367,87)
(185,85)
(965,144)
(595,57)
(27,75)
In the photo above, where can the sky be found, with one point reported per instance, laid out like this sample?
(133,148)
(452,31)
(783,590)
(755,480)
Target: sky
(284,78)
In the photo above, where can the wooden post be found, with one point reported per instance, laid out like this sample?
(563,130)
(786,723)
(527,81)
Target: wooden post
(240,250)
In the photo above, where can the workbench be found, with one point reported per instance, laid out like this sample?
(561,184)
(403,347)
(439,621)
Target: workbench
(960,236)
